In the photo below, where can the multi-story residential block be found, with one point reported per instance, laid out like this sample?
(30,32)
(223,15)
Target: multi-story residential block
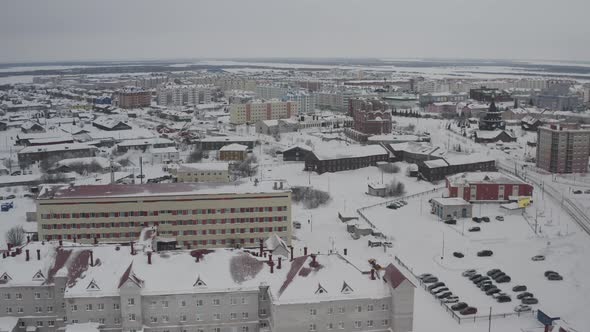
(32,154)
(233,152)
(132,98)
(442,97)
(267,91)
(179,95)
(563,148)
(202,172)
(262,110)
(305,100)
(371,116)
(486,186)
(130,288)
(193,215)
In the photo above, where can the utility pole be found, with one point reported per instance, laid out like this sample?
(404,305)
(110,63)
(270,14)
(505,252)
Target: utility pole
(490,321)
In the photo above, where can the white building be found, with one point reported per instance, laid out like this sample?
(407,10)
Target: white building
(164,155)
(179,95)
(203,172)
(271,91)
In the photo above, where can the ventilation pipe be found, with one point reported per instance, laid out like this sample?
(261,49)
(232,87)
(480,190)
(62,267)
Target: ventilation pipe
(279,265)
(132,249)
(27,253)
(149,257)
(304,251)
(372,274)
(269,258)
(291,253)
(38,254)
(91,258)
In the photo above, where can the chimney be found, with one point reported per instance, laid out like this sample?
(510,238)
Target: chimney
(132,249)
(28,238)
(304,251)
(91,258)
(345,251)
(261,247)
(19,251)
(61,242)
(291,253)
(280,260)
(269,257)
(38,254)
(95,240)
(264,254)
(272,267)
(372,274)
(313,258)
(3,255)
(27,252)
(149,257)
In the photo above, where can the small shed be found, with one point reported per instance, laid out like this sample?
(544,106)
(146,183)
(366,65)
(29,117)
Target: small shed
(377,189)
(452,207)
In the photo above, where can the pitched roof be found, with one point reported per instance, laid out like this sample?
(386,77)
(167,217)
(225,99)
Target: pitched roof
(394,276)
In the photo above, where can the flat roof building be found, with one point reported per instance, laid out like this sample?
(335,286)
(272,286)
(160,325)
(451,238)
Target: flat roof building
(563,148)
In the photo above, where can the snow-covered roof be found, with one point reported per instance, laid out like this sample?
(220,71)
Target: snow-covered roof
(234,147)
(56,148)
(156,189)
(457,159)
(228,139)
(419,148)
(490,134)
(108,122)
(274,242)
(103,162)
(169,149)
(203,167)
(448,201)
(83,327)
(8,324)
(146,141)
(483,177)
(351,151)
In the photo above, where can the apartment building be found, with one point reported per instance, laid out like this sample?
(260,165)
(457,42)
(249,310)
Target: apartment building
(32,154)
(262,110)
(133,98)
(202,172)
(133,288)
(563,148)
(171,94)
(266,91)
(191,214)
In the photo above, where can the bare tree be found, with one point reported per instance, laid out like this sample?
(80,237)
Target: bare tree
(15,235)
(195,156)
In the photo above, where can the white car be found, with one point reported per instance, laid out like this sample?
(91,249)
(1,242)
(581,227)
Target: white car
(522,308)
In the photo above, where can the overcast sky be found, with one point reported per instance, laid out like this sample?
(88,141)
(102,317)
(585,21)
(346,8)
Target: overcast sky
(144,29)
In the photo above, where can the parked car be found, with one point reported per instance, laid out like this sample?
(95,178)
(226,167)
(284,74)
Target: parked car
(524,295)
(554,277)
(450,222)
(577,192)
(10,197)
(439,290)
(16,173)
(451,299)
(469,273)
(485,219)
(27,195)
(436,285)
(424,276)
(497,275)
(474,229)
(458,254)
(297,225)
(485,253)
(519,288)
(529,300)
(497,295)
(430,280)
(488,287)
(392,206)
(468,311)
(500,218)
(492,291)
(482,278)
(522,308)
(504,299)
(476,219)
(483,282)
(459,306)
(587,191)
(492,271)
(444,295)
(538,258)
(547,273)
(503,279)
(475,276)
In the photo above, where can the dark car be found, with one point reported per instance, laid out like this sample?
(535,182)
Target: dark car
(482,278)
(485,253)
(440,290)
(392,206)
(577,192)
(430,280)
(547,273)
(503,299)
(554,277)
(503,279)
(529,300)
(459,306)
(436,285)
(492,271)
(450,222)
(475,276)
(497,275)
(519,288)
(476,219)
(524,295)
(492,291)
(458,254)
(468,311)
(488,287)
(10,197)
(424,276)
(485,219)
(444,295)
(474,229)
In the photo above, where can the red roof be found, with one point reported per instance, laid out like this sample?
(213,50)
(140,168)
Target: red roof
(394,276)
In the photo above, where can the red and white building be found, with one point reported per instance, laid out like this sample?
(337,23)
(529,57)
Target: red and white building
(486,187)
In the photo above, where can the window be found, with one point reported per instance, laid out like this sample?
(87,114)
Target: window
(330,310)
(38,309)
(244,300)
(165,304)
(216,329)
(183,318)
(18,296)
(37,296)
(89,307)
(359,308)
(51,323)
(101,320)
(340,325)
(244,315)
(39,323)
(357,324)
(385,322)
(312,327)
(330,326)
(313,311)
(370,307)
(233,301)
(100,306)
(117,321)
(116,306)
(233,315)
(370,323)
(245,329)
(183,303)
(341,310)
(49,308)
(154,319)
(384,306)
(216,316)
(165,319)
(199,303)
(7,296)
(131,317)
(216,302)
(20,310)
(198,318)
(131,301)
(8,310)
(73,308)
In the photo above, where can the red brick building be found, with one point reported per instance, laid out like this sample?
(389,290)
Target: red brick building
(371,116)
(133,98)
(486,186)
